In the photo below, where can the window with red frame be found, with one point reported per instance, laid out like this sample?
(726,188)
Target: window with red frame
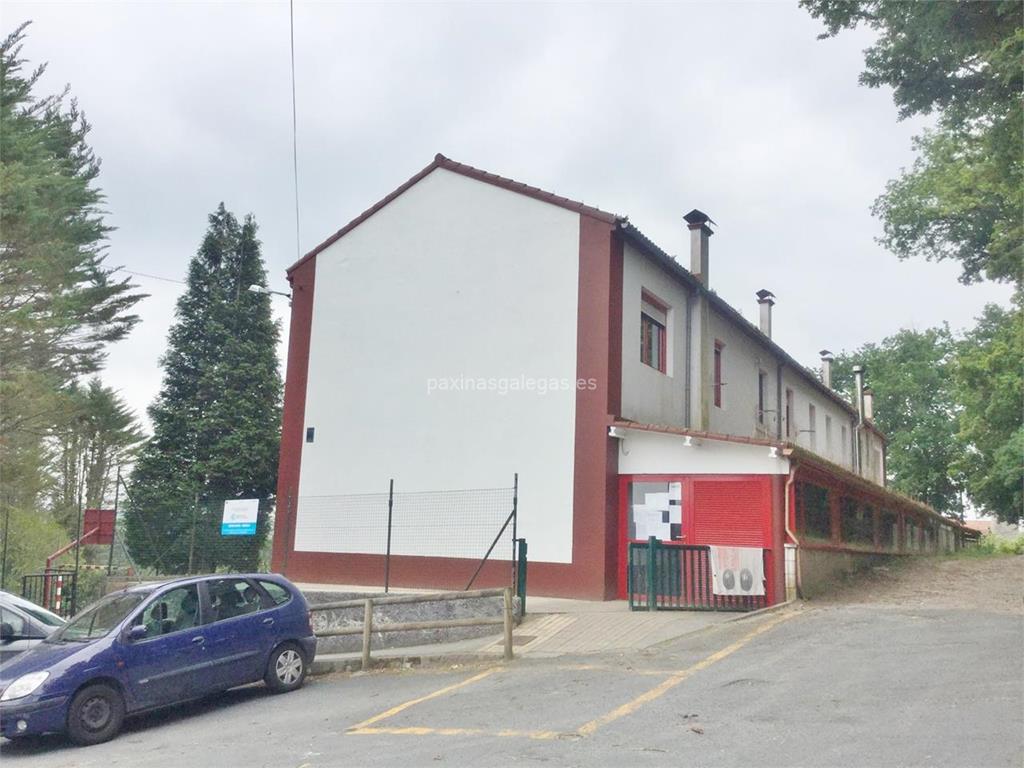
(719,346)
(653,335)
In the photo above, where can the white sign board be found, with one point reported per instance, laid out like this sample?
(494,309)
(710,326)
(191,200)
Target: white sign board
(240,517)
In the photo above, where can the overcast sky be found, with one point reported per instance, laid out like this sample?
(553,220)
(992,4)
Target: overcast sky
(644,110)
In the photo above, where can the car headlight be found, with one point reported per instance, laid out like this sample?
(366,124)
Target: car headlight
(24,685)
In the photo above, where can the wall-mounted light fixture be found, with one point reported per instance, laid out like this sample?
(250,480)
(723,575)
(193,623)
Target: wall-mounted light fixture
(254,288)
(617,432)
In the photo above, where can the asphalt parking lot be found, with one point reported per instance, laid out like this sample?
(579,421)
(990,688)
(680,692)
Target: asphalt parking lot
(843,685)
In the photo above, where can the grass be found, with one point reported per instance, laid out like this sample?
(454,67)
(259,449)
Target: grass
(994,545)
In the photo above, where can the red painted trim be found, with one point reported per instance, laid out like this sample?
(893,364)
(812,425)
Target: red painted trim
(596,456)
(303,280)
(440,161)
(443,573)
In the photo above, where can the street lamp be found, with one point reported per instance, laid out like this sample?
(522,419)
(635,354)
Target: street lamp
(254,288)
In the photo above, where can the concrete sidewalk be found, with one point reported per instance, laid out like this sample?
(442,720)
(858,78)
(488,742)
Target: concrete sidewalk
(552,627)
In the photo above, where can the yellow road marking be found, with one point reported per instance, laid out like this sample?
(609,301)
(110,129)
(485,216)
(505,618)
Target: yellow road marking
(660,690)
(421,731)
(401,707)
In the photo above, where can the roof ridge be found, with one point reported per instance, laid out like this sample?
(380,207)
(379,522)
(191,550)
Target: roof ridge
(441,161)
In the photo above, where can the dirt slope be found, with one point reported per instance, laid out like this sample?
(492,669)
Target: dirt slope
(994,583)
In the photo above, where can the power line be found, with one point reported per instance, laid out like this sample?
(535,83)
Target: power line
(295,139)
(151,277)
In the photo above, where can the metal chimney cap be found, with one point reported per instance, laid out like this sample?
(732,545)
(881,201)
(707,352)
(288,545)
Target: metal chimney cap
(826,355)
(765,295)
(696,218)
(858,369)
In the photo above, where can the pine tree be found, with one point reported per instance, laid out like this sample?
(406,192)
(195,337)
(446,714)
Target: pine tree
(216,420)
(60,303)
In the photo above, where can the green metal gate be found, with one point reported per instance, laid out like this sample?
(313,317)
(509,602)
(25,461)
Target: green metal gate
(667,577)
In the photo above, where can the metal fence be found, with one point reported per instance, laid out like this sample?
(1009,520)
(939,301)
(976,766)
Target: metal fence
(477,525)
(198,535)
(54,589)
(663,576)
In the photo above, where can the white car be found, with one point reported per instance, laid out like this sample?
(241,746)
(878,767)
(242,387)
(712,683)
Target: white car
(23,624)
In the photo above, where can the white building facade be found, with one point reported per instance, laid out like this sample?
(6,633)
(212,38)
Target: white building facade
(469,327)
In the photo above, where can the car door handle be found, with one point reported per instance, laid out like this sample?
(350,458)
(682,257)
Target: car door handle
(268,621)
(199,640)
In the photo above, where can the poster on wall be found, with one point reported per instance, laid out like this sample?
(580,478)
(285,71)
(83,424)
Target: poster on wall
(660,515)
(737,570)
(240,517)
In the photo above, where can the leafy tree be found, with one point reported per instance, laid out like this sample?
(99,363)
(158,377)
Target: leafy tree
(60,304)
(990,385)
(100,433)
(963,199)
(911,375)
(216,420)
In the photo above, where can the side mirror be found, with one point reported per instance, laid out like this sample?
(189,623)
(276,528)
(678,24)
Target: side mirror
(138,632)
(6,632)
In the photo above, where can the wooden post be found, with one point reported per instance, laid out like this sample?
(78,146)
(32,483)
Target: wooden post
(367,629)
(507,599)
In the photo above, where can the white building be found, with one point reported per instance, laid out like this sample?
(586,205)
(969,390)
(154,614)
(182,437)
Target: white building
(467,327)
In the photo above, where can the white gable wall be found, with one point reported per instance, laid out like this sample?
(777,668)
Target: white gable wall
(454,279)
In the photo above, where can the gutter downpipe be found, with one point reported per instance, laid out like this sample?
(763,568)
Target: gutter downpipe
(790,533)
(690,304)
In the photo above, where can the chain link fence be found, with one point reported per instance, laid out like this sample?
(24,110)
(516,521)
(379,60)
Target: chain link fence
(477,525)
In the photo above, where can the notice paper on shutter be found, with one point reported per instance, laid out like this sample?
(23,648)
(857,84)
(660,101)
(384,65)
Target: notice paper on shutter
(737,570)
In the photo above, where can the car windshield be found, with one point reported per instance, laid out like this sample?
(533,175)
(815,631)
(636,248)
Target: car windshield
(99,618)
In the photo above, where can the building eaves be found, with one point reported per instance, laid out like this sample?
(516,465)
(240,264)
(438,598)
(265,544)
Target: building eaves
(801,456)
(440,161)
(648,247)
(804,456)
(667,429)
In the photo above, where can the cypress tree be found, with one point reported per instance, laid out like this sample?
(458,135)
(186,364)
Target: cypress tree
(216,421)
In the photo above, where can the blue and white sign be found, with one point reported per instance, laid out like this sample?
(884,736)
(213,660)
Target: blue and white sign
(240,517)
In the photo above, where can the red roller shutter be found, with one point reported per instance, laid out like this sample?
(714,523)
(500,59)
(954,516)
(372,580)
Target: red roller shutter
(732,512)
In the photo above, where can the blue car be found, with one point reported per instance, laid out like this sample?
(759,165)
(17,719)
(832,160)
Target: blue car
(153,645)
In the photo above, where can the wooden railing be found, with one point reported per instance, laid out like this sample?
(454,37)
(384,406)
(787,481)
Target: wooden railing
(369,627)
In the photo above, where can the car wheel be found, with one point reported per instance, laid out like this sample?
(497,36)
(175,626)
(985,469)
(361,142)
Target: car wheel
(95,715)
(286,669)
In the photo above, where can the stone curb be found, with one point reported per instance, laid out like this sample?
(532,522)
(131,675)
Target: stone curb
(327,666)
(763,611)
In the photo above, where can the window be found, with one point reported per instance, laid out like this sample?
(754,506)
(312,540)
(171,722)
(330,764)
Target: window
(812,507)
(656,509)
(812,425)
(277,593)
(846,443)
(719,346)
(889,533)
(790,427)
(16,623)
(857,522)
(173,611)
(828,434)
(762,393)
(232,597)
(653,336)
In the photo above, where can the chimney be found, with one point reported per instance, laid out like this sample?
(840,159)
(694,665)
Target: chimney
(869,404)
(826,367)
(766,299)
(858,391)
(700,232)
